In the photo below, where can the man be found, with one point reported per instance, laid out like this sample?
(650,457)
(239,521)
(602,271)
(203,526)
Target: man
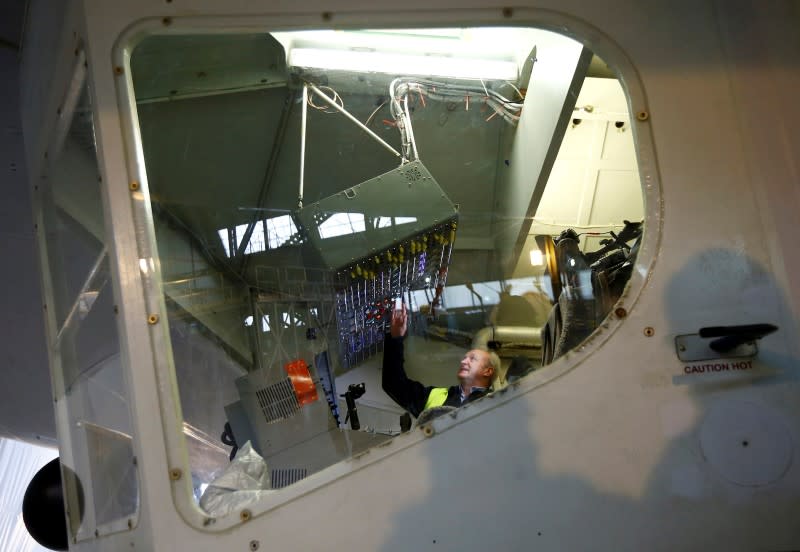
(476,373)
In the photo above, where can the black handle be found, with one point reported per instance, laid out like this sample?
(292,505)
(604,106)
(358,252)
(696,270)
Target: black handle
(730,337)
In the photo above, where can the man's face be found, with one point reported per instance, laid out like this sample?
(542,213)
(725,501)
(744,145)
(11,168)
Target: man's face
(475,367)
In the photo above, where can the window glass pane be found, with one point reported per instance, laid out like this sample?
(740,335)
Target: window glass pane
(462,192)
(85,349)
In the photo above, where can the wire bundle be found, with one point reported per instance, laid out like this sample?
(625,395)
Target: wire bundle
(401,88)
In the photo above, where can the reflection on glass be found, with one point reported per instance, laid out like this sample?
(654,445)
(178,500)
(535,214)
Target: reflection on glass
(280,230)
(424,201)
(341,224)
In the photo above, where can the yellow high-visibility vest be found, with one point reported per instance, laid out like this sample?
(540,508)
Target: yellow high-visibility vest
(436,397)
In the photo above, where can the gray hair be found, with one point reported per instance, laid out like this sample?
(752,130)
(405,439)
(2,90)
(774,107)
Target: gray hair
(494,362)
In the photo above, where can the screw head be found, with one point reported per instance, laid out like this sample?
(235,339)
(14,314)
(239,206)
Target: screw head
(254,545)
(245,515)
(175,474)
(620,312)
(649,331)
(152,319)
(643,115)
(427,431)
(134,186)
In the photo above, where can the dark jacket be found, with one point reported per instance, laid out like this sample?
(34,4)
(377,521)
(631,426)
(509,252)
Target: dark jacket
(410,394)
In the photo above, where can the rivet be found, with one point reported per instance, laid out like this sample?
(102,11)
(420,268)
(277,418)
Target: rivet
(649,331)
(175,474)
(117,70)
(245,515)
(621,312)
(152,319)
(508,12)
(254,544)
(134,186)
(167,21)
(327,16)
(643,115)
(427,431)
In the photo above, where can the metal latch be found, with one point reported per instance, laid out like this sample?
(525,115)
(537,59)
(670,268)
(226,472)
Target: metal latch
(725,342)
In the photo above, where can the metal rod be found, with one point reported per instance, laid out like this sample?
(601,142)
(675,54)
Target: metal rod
(257,328)
(344,112)
(239,249)
(410,129)
(303,144)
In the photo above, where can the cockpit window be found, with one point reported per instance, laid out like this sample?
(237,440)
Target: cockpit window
(306,185)
(97,463)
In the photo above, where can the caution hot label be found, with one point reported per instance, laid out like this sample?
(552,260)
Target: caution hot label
(710,367)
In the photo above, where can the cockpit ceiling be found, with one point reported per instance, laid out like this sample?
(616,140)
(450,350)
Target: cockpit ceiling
(220,119)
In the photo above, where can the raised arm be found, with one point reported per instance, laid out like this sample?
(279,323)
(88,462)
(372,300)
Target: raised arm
(409,394)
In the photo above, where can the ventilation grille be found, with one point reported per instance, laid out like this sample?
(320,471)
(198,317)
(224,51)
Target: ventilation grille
(412,174)
(278,401)
(283,477)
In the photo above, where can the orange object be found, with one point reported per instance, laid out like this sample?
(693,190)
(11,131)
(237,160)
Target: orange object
(299,375)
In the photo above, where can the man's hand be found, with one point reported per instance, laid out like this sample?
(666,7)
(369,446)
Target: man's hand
(399,322)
